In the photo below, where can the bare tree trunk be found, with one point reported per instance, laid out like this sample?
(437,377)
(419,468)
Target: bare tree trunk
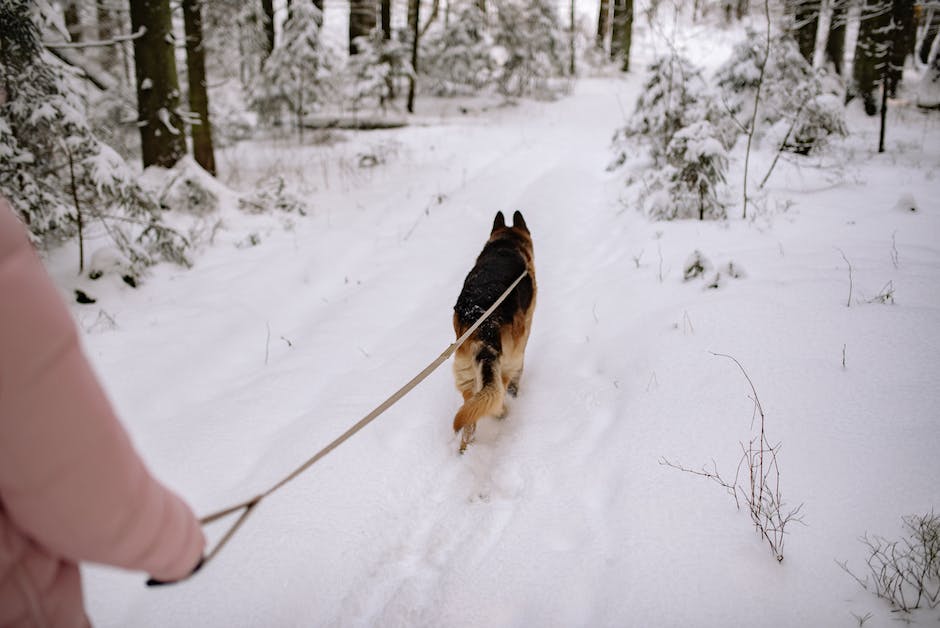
(933,27)
(162,140)
(414,26)
(742,8)
(804,21)
(603,24)
(571,69)
(73,20)
(386,19)
(622,34)
(902,42)
(107,28)
(870,51)
(198,95)
(267,7)
(835,43)
(361,21)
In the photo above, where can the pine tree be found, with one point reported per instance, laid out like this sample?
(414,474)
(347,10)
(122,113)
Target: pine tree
(902,41)
(531,33)
(457,57)
(603,24)
(361,21)
(803,23)
(871,51)
(198,94)
(57,175)
(297,74)
(414,30)
(158,94)
(267,10)
(835,43)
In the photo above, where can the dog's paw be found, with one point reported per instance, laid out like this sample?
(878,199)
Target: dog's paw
(513,389)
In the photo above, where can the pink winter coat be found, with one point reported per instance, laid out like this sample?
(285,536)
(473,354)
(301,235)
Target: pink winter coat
(72,488)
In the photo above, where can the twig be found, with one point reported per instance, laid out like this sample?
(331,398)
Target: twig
(78,210)
(117,39)
(760,83)
(786,138)
(848,302)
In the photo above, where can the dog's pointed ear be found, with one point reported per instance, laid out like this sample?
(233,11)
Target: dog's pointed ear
(499,222)
(518,222)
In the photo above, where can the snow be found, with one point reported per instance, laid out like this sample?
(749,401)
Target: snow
(233,373)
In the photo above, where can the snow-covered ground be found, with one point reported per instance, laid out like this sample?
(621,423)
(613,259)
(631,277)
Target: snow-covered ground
(231,374)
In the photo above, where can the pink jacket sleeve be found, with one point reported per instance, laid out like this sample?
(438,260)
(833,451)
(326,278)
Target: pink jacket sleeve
(69,476)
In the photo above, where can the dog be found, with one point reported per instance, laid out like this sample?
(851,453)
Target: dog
(490,363)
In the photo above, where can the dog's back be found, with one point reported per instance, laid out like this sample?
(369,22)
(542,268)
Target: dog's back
(491,361)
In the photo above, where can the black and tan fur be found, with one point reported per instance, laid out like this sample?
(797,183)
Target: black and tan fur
(489,364)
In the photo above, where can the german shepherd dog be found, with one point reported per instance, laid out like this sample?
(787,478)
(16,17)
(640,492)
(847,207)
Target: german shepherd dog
(489,364)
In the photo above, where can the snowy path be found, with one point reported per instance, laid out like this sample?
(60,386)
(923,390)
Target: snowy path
(560,515)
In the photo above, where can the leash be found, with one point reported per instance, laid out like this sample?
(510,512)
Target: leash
(248,506)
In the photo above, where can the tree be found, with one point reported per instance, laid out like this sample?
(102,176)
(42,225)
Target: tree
(414,27)
(930,33)
(457,58)
(158,93)
(73,20)
(871,51)
(56,173)
(603,24)
(267,9)
(622,33)
(361,21)
(835,43)
(533,38)
(198,94)
(902,44)
(296,75)
(803,22)
(386,10)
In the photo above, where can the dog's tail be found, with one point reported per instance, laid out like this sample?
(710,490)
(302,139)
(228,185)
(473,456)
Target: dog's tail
(487,401)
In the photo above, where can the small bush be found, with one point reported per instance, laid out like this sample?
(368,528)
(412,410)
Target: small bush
(906,572)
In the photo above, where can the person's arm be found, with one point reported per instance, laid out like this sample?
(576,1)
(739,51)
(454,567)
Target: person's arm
(69,476)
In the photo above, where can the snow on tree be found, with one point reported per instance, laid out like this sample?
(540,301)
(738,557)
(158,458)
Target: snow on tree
(458,57)
(688,134)
(296,75)
(372,72)
(56,173)
(531,39)
(793,95)
(162,134)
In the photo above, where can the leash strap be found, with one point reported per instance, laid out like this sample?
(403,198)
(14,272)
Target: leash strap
(249,505)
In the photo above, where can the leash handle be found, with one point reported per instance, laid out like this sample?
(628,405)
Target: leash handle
(249,505)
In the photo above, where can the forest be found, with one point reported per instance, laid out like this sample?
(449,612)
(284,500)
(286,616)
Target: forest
(260,213)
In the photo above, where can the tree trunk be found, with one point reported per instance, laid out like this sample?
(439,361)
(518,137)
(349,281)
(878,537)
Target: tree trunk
(267,7)
(387,19)
(603,24)
(741,8)
(933,27)
(870,51)
(902,42)
(414,25)
(161,130)
(107,28)
(835,43)
(622,34)
(73,20)
(198,95)
(572,68)
(804,21)
(361,21)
